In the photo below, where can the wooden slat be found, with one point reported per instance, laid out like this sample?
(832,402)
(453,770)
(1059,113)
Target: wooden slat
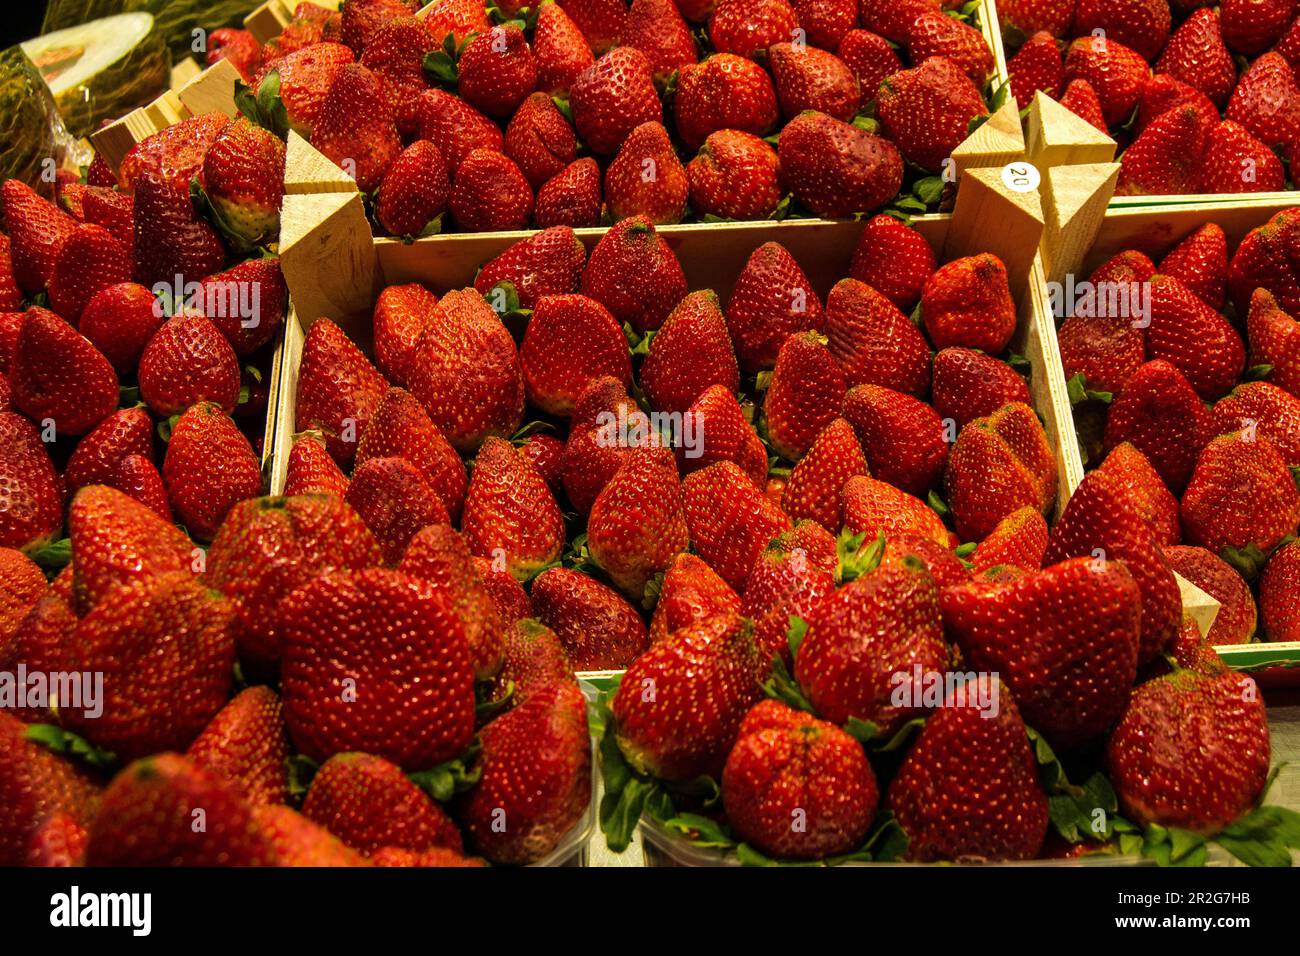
(1074,200)
(1056,137)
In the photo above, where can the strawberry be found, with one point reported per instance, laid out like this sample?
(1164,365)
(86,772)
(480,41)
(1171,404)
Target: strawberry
(490,193)
(599,630)
(771,300)
(646,178)
(969,384)
(1272,335)
(993,805)
(11,324)
(496,70)
(58,841)
(635,274)
(935,34)
(1099,518)
(411,679)
(245,745)
(35,783)
(247,303)
(128,431)
(691,352)
(871,58)
(873,507)
(1235,622)
(1263,260)
(414,191)
(695,11)
(705,678)
(590,457)
(356,128)
(744,28)
(208,468)
(11,297)
(302,80)
(534,659)
(440,556)
(730,520)
(546,452)
(1266,409)
(1190,751)
(138,477)
(571,340)
(1277,591)
(656,28)
(39,642)
(396,55)
(967,303)
(1030,16)
(927,111)
(465,372)
(1018,540)
(1037,65)
(311,470)
(637,524)
(170,238)
(536,777)
(58,377)
(1237,162)
(1162,93)
(1250,27)
(1082,100)
(1114,71)
(1194,338)
(268,547)
(119,321)
(455,18)
(296,841)
(165,645)
(1160,414)
(787,765)
(173,155)
(571,197)
(1267,101)
(725,91)
(806,391)
(1167,157)
(691,592)
(456,128)
(401,314)
(31,494)
(1141,25)
(1200,262)
(188,361)
(873,341)
(359,24)
(814,488)
(560,48)
(338,389)
(1289,44)
(89,260)
(400,428)
(811,79)
(540,140)
(725,434)
(547,263)
(894,260)
(1241,494)
(369,804)
(22,584)
(901,437)
(735,175)
(788,578)
(612,97)
(396,502)
(998,465)
(837,169)
(510,513)
(1146,491)
(148,817)
(243,175)
(826,22)
(239,47)
(599,20)
(892,18)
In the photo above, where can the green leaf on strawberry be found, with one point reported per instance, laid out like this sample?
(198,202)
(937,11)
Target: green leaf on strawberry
(68,744)
(448,779)
(54,556)
(301,770)
(440,66)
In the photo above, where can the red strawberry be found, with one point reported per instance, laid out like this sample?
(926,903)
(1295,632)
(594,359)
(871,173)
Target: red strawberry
(873,341)
(1037,65)
(59,841)
(560,48)
(188,361)
(656,28)
(571,197)
(22,584)
(243,176)
(359,24)
(612,97)
(247,303)
(646,178)
(691,592)
(1267,101)
(1030,16)
(599,20)
(788,766)
(1235,622)
(396,55)
(969,384)
(1289,44)
(1237,162)
(311,470)
(871,58)
(1115,72)
(302,79)
(540,140)
(238,46)
(735,175)
(1162,93)
(355,127)
(705,678)
(170,238)
(89,260)
(894,260)
(536,777)
(510,513)
(369,804)
(338,389)
(1160,414)
(490,193)
(1194,338)
(128,431)
(396,502)
(571,341)
(826,22)
(1082,100)
(296,841)
(173,155)
(58,376)
(1263,261)
(1191,751)
(725,91)
(721,433)
(837,169)
(1018,540)
(119,321)
(590,457)
(149,816)
(902,437)
(1200,262)
(1099,518)
(35,783)
(456,128)
(1250,27)
(11,324)
(892,18)
(11,297)
(635,274)
(1146,491)
(457,18)
(414,191)
(1103,347)
(1003,816)
(1277,595)
(967,303)
(811,79)
(209,467)
(547,263)
(268,547)
(730,520)
(744,28)
(245,745)
(1167,157)
(935,34)
(805,394)
(771,300)
(1240,494)
(691,352)
(599,630)
(139,477)
(872,508)
(1264,408)
(37,230)
(465,372)
(401,428)
(789,577)
(534,659)
(927,111)
(401,314)
(496,70)
(546,452)
(411,679)
(1142,25)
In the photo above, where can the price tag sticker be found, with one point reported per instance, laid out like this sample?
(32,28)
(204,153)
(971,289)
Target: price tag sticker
(1021,177)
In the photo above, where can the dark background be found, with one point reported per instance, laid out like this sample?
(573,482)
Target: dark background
(21,21)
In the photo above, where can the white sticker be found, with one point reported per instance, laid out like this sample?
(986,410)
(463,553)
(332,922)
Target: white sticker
(1021,177)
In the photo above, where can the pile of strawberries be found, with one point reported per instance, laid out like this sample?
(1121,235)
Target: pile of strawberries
(497,117)
(1198,413)
(1202,98)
